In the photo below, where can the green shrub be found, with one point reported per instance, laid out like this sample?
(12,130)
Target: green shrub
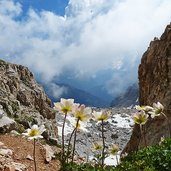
(86,167)
(152,158)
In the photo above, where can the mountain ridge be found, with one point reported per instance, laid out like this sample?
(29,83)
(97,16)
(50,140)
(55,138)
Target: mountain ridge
(79,95)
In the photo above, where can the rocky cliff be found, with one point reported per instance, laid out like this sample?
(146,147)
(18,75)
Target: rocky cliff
(155,85)
(128,99)
(20,96)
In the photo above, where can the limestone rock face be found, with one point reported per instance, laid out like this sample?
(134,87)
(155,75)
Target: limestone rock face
(20,95)
(154,86)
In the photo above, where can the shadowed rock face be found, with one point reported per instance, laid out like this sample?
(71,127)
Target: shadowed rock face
(20,94)
(154,85)
(128,98)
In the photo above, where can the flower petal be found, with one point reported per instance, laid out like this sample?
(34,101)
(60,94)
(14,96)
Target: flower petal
(57,106)
(41,129)
(34,127)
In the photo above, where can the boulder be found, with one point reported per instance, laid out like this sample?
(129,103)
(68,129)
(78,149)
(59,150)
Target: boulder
(6,124)
(49,153)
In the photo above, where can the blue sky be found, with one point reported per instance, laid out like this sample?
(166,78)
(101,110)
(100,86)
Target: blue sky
(55,6)
(81,38)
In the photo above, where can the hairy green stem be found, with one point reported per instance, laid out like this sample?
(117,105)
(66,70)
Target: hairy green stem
(69,143)
(143,135)
(103,138)
(63,146)
(117,160)
(145,141)
(34,155)
(75,135)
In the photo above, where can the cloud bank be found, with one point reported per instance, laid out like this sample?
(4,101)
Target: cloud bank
(93,35)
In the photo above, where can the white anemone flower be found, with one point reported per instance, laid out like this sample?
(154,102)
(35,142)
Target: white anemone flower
(35,132)
(65,105)
(157,109)
(146,109)
(81,126)
(140,117)
(158,106)
(114,149)
(102,115)
(97,146)
(81,112)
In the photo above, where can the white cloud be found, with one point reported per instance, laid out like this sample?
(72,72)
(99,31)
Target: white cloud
(93,35)
(56,90)
(9,9)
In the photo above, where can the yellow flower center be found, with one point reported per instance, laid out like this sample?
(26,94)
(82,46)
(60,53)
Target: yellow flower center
(158,111)
(97,146)
(33,132)
(114,150)
(81,116)
(66,109)
(140,120)
(102,117)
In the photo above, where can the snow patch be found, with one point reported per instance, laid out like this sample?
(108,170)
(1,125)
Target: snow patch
(121,122)
(112,160)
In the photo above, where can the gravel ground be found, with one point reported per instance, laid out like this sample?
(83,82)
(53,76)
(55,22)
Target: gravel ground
(118,130)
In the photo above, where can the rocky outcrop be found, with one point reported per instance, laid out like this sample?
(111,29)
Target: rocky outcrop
(20,96)
(155,85)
